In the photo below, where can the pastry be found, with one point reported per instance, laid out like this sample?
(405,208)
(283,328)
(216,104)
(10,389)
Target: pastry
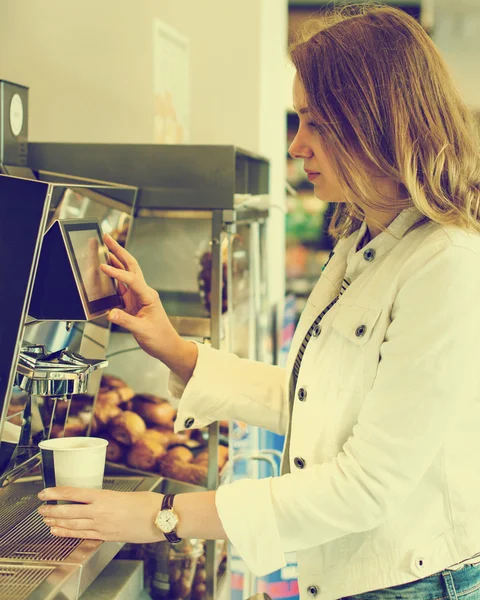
(163,435)
(174,438)
(127,428)
(180,453)
(202,457)
(115,451)
(176,469)
(111,397)
(145,454)
(126,393)
(158,414)
(150,398)
(111,381)
(104,413)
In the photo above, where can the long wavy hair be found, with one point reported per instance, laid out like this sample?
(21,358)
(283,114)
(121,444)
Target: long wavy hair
(385,105)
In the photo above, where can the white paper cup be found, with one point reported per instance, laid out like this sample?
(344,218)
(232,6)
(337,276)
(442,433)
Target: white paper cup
(73,462)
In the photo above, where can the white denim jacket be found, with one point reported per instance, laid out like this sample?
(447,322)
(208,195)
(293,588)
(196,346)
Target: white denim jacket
(389,430)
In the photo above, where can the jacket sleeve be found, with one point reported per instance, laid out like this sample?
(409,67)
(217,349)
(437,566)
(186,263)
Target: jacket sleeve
(224,386)
(427,377)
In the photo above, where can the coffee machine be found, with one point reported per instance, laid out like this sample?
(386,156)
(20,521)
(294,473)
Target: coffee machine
(53,338)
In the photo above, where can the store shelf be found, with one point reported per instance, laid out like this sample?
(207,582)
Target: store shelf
(210,174)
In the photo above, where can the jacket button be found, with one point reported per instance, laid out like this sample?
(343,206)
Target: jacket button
(316,331)
(312,591)
(419,563)
(189,422)
(360,330)
(369,254)
(302,394)
(299,462)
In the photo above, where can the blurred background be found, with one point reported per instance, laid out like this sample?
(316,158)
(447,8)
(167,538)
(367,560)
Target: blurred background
(94,76)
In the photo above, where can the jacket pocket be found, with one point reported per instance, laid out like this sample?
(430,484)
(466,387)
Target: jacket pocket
(357,359)
(356,323)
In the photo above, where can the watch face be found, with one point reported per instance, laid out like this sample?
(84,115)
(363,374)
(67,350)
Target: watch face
(166,521)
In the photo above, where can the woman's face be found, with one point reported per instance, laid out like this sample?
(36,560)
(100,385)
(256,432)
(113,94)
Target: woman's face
(308,146)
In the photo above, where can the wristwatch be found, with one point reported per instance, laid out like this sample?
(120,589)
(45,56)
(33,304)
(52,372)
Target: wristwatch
(167,519)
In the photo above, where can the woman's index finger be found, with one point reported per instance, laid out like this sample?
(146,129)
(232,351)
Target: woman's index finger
(127,260)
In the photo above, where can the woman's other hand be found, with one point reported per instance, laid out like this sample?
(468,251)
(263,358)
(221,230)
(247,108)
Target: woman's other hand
(103,515)
(144,314)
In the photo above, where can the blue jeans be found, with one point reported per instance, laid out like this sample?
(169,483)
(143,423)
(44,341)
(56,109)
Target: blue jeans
(463,584)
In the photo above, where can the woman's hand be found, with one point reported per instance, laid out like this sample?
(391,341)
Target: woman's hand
(144,314)
(103,515)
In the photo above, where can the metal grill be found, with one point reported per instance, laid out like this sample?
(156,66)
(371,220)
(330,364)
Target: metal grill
(17,583)
(17,501)
(30,539)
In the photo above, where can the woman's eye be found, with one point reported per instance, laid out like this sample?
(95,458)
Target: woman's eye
(312,125)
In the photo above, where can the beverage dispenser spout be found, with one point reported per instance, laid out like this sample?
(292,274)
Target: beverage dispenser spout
(57,374)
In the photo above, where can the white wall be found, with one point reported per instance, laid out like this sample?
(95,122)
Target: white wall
(89,67)
(457,34)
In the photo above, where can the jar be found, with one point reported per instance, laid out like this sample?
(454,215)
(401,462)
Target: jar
(169,570)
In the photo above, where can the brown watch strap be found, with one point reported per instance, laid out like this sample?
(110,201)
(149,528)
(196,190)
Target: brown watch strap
(167,504)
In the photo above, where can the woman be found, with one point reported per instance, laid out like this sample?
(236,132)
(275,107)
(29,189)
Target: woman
(380,402)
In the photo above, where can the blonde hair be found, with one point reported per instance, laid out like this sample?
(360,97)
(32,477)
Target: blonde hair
(384,103)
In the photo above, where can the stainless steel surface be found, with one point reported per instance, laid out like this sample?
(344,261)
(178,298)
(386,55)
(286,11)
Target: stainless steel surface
(21,470)
(60,373)
(210,174)
(158,213)
(50,563)
(63,583)
(30,538)
(17,582)
(18,314)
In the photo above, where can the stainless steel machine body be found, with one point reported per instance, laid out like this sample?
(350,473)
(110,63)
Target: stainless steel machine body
(42,365)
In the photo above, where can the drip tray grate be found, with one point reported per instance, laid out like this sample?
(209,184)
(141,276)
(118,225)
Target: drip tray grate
(17,582)
(30,539)
(18,500)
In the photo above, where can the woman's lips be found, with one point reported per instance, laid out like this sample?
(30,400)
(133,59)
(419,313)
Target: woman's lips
(312,176)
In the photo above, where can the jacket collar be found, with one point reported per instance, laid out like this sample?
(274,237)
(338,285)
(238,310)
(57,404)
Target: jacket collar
(348,263)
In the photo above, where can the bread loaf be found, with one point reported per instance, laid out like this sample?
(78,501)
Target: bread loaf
(202,457)
(183,471)
(115,451)
(104,413)
(145,453)
(110,381)
(157,414)
(150,398)
(127,428)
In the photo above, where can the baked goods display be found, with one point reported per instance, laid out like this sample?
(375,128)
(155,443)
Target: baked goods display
(239,271)
(139,430)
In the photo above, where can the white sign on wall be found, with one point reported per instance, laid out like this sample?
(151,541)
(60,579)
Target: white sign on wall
(171,79)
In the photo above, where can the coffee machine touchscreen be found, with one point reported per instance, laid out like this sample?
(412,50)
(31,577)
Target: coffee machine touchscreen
(88,252)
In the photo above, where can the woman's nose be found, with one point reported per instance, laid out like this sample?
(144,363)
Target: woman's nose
(298,149)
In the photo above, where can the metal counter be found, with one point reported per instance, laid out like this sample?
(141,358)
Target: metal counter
(35,565)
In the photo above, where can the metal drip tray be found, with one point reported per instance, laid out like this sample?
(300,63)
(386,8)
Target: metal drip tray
(30,538)
(38,582)
(39,566)
(17,583)
(18,500)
